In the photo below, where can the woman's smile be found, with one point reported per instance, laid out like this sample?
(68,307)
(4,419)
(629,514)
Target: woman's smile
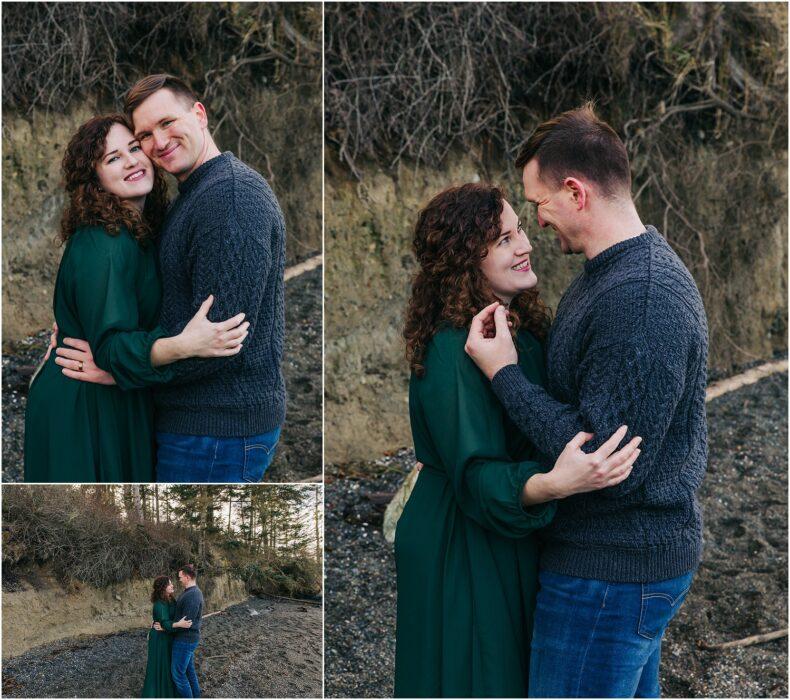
(522,266)
(136,175)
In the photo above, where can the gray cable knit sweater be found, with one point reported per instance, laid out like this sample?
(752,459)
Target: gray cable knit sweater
(189,605)
(629,345)
(224,235)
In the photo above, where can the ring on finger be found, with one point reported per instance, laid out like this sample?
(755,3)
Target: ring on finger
(80,366)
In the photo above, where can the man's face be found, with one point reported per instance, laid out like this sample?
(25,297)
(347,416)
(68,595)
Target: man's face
(171,132)
(554,207)
(183,578)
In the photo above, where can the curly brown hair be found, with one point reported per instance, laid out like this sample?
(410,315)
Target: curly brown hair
(88,204)
(451,238)
(159,592)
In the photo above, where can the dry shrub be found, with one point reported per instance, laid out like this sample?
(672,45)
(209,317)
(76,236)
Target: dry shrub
(292,577)
(84,541)
(417,80)
(54,52)
(257,67)
(697,91)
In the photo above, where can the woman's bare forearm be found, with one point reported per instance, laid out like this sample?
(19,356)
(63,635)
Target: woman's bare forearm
(167,350)
(538,489)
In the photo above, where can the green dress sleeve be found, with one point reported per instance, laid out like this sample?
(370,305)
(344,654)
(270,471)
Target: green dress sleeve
(465,431)
(101,280)
(163,617)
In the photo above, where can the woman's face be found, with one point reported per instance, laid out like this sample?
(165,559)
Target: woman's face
(124,170)
(170,588)
(507,266)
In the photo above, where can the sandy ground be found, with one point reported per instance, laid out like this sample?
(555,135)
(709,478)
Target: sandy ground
(740,589)
(299,452)
(262,648)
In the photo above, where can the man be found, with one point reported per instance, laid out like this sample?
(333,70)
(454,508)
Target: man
(628,346)
(219,419)
(189,606)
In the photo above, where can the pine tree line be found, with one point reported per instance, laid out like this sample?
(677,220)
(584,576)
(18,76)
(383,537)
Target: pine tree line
(271,520)
(269,536)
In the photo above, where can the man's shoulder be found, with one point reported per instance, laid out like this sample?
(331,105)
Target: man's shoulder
(234,173)
(236,186)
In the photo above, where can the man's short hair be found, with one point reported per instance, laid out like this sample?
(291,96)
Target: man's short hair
(578,143)
(189,569)
(145,87)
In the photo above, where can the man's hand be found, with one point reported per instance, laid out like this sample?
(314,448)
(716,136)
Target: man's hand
(157,627)
(491,354)
(78,363)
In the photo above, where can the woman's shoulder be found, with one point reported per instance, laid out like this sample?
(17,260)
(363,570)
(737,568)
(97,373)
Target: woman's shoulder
(161,605)
(447,343)
(446,360)
(102,237)
(528,338)
(94,243)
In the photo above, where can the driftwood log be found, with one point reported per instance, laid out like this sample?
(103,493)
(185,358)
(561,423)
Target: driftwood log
(746,641)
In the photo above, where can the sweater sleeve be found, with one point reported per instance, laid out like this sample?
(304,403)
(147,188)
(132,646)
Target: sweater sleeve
(231,259)
(627,376)
(466,428)
(101,279)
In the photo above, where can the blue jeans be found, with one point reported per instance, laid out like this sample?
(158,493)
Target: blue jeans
(182,668)
(185,459)
(597,639)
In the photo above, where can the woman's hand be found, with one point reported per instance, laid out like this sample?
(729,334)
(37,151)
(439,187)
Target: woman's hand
(183,623)
(77,362)
(202,338)
(576,471)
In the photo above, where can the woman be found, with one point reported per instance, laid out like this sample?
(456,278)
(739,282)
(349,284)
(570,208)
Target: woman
(158,681)
(465,549)
(108,293)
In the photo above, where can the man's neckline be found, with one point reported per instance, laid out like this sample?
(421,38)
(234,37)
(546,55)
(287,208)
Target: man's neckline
(201,172)
(614,251)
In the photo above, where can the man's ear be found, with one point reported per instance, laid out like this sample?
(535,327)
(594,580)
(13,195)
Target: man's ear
(577,190)
(200,112)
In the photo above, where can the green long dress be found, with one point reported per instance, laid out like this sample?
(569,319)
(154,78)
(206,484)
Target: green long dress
(465,550)
(158,680)
(107,292)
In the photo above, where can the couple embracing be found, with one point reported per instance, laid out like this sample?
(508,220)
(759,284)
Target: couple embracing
(169,315)
(174,637)
(554,529)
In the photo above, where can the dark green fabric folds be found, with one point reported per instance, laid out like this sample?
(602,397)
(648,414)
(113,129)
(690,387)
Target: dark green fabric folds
(158,681)
(465,548)
(108,292)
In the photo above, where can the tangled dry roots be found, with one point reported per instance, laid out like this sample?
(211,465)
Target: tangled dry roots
(55,53)
(416,80)
(85,542)
(697,91)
